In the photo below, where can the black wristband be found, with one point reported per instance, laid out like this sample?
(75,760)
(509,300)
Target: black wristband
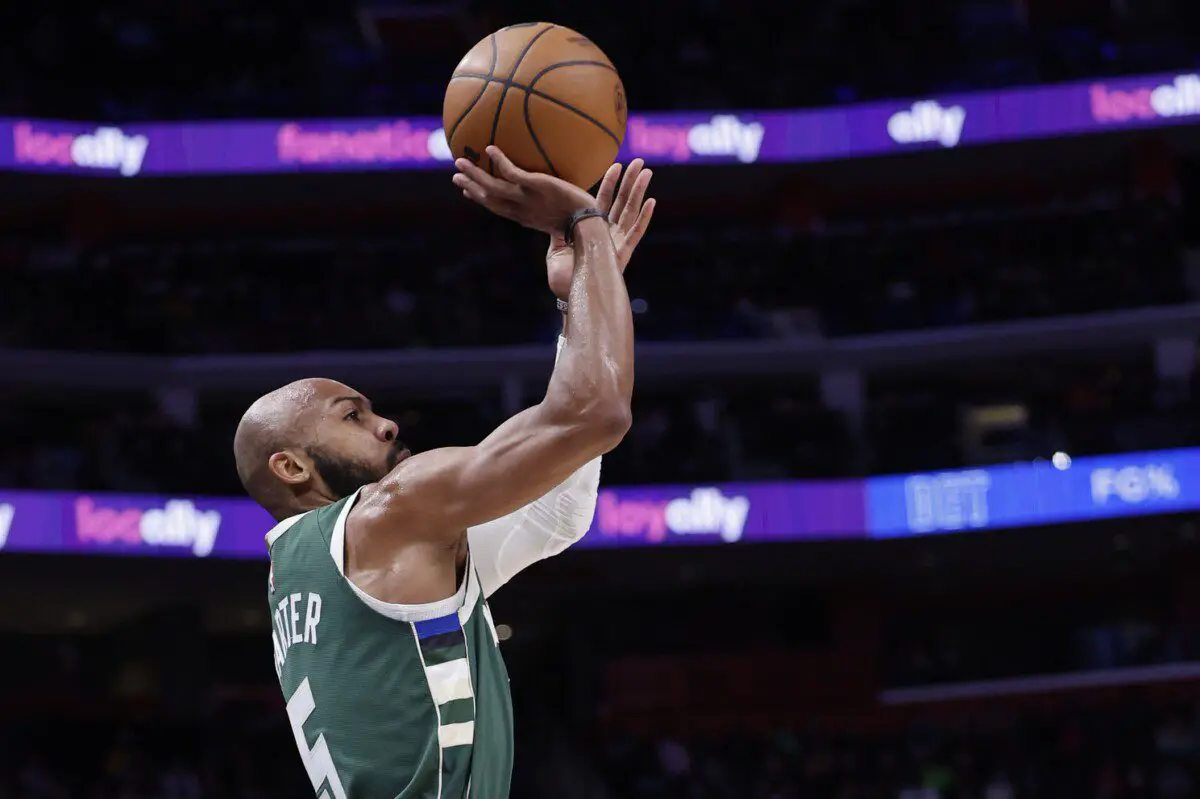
(577,217)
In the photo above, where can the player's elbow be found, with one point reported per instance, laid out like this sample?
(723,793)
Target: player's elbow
(610,421)
(597,423)
(594,401)
(606,413)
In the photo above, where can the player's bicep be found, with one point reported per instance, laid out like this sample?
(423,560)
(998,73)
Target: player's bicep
(445,491)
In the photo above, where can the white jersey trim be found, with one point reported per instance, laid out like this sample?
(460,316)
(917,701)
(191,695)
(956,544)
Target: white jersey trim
(460,734)
(392,610)
(278,530)
(437,710)
(450,681)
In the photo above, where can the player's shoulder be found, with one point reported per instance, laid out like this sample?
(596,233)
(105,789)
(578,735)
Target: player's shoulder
(371,499)
(319,518)
(282,528)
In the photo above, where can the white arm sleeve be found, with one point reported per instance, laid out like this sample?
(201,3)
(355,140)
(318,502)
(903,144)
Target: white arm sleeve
(545,527)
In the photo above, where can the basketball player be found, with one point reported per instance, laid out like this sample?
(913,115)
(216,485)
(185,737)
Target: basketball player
(382,561)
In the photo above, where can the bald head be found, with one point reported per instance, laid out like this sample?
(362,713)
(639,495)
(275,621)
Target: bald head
(273,423)
(310,443)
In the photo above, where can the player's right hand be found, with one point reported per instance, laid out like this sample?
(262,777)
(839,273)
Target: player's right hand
(629,215)
(540,202)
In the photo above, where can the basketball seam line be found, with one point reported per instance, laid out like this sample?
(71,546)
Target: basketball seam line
(582,62)
(533,135)
(578,63)
(547,97)
(478,97)
(500,105)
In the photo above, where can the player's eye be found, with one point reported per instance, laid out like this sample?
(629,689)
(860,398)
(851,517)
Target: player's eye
(352,416)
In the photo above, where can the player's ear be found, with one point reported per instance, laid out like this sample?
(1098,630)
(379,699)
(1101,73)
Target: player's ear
(291,467)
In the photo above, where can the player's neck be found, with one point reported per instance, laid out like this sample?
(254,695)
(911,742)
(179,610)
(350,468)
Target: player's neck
(311,500)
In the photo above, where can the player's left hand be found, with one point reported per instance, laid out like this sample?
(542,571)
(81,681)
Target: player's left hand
(629,214)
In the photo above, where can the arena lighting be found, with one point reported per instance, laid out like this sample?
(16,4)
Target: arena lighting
(7,512)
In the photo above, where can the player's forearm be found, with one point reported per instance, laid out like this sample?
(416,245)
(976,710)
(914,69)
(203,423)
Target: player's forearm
(595,367)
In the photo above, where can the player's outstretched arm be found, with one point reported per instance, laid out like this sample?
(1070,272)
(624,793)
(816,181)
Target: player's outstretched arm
(585,412)
(504,547)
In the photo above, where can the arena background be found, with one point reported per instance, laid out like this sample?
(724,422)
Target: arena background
(934,334)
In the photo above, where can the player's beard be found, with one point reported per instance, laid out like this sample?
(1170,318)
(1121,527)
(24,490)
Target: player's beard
(344,477)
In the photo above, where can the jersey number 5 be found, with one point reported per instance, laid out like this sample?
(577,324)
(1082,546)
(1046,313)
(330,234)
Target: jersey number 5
(317,761)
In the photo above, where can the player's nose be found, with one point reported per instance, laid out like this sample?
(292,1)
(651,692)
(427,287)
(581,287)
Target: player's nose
(388,430)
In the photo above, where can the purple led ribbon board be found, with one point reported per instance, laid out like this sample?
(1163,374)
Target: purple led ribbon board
(235,528)
(942,122)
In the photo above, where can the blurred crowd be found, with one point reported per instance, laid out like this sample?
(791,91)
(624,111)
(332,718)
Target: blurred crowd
(222,759)
(697,432)
(138,60)
(960,645)
(158,709)
(430,287)
(676,438)
(691,280)
(1136,752)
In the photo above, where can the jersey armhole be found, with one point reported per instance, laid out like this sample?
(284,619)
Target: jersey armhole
(461,602)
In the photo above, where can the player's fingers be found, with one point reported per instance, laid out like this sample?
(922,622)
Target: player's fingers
(633,206)
(465,183)
(496,201)
(608,189)
(470,189)
(491,192)
(631,174)
(506,168)
(643,221)
(480,177)
(467,167)
(633,237)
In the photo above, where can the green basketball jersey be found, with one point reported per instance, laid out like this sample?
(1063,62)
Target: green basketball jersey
(385,701)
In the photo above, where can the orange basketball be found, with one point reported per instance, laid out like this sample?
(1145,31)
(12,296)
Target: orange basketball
(545,95)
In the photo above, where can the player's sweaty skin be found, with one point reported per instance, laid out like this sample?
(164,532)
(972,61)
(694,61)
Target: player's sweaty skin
(405,537)
(408,649)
